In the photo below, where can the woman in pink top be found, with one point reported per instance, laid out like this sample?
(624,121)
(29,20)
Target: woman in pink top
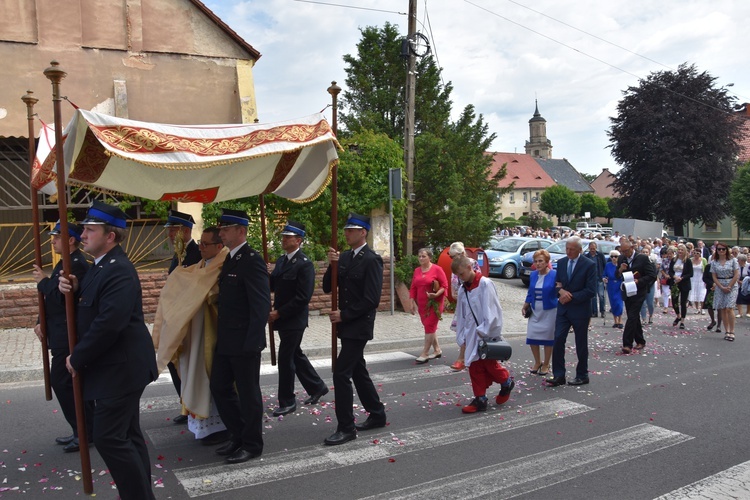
(428,286)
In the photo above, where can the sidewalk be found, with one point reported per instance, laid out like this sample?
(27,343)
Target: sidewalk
(21,353)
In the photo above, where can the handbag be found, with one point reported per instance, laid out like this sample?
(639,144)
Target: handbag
(498,349)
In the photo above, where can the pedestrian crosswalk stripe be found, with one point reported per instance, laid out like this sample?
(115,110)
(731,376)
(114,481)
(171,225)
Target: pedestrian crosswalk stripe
(199,481)
(542,470)
(729,483)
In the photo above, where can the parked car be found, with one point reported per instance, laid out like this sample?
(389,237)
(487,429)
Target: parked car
(557,252)
(559,229)
(594,226)
(505,255)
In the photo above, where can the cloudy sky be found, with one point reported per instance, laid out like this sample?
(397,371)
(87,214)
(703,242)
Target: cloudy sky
(575,56)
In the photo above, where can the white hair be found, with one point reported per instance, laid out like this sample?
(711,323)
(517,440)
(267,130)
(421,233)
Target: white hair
(576,241)
(456,248)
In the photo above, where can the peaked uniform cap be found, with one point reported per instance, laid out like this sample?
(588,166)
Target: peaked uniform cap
(176,218)
(101,213)
(231,217)
(294,228)
(74,230)
(356,221)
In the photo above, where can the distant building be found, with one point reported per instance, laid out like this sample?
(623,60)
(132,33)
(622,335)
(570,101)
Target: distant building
(528,180)
(564,174)
(602,184)
(538,145)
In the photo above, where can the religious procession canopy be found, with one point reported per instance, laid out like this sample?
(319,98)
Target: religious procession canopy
(197,163)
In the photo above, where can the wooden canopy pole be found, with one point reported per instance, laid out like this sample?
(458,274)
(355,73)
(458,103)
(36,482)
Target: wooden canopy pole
(55,74)
(334,91)
(30,100)
(264,237)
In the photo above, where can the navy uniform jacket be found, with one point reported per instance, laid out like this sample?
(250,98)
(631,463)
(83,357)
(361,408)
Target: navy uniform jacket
(244,304)
(646,270)
(582,285)
(360,286)
(293,288)
(115,353)
(54,301)
(192,256)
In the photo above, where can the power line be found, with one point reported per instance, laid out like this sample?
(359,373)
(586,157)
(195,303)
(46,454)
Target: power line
(590,56)
(352,7)
(434,44)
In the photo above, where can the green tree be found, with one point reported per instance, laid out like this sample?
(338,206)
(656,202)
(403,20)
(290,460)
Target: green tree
(376,87)
(589,177)
(455,191)
(559,201)
(739,198)
(362,187)
(593,204)
(677,140)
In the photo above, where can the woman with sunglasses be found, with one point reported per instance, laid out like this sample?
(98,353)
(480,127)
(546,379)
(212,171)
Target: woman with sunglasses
(726,272)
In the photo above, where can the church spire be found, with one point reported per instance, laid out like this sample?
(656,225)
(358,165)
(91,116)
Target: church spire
(538,145)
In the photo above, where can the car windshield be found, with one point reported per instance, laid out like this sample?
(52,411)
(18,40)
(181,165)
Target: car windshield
(557,247)
(509,245)
(604,246)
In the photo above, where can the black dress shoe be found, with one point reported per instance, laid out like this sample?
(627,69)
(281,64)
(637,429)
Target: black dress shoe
(284,410)
(215,438)
(555,381)
(228,449)
(180,419)
(240,456)
(65,439)
(316,397)
(72,447)
(340,437)
(578,381)
(370,423)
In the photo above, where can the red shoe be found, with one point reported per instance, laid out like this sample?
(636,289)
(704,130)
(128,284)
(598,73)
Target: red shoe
(458,366)
(505,391)
(477,404)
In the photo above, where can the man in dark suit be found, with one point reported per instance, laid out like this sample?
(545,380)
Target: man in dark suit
(186,253)
(360,284)
(644,274)
(597,303)
(244,304)
(57,330)
(576,281)
(293,283)
(114,353)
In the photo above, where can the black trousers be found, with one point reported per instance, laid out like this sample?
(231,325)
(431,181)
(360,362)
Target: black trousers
(119,440)
(175,378)
(292,361)
(680,307)
(581,330)
(351,367)
(240,410)
(62,383)
(633,330)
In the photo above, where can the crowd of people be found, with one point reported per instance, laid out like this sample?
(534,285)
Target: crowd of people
(212,338)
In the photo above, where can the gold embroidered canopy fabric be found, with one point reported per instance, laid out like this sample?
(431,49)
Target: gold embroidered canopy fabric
(198,163)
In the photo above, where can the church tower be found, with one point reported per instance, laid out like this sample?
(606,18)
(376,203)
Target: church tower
(538,145)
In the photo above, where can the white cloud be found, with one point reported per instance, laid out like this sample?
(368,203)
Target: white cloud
(498,66)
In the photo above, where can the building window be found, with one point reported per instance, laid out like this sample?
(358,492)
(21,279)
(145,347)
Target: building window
(536,152)
(512,198)
(524,198)
(711,227)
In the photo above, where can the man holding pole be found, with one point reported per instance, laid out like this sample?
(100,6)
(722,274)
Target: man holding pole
(360,284)
(57,330)
(114,353)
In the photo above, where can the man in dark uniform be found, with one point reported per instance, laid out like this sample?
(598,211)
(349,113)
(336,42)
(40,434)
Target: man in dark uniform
(57,330)
(360,284)
(114,353)
(186,253)
(598,258)
(244,304)
(293,283)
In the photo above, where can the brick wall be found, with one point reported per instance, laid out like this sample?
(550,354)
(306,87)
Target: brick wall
(18,303)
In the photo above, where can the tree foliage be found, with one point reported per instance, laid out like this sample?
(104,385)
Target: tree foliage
(362,188)
(559,201)
(376,87)
(739,198)
(676,138)
(455,196)
(593,204)
(455,193)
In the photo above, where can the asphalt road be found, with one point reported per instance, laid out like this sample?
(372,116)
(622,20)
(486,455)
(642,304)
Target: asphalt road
(648,425)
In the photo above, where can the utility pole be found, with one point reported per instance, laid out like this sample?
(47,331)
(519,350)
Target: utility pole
(409,128)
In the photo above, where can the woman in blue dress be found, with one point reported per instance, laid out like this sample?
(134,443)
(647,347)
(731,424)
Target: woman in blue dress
(541,309)
(613,289)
